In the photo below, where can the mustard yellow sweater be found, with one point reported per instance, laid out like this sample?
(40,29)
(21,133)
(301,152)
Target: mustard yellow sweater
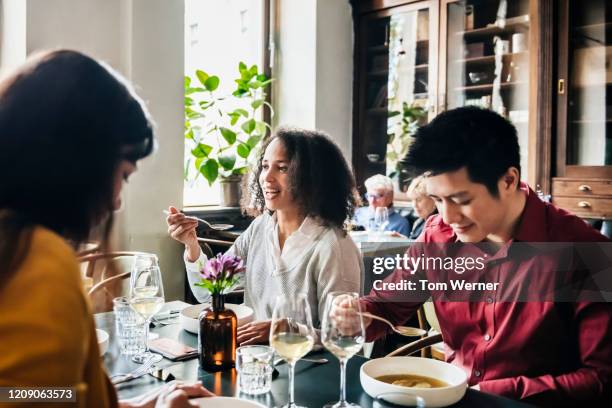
(47,332)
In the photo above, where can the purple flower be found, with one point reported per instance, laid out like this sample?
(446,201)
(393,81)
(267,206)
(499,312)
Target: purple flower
(221,269)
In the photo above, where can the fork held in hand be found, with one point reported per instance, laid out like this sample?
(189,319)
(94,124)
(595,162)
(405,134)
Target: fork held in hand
(139,372)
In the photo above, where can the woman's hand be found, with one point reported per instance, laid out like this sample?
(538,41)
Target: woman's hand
(175,394)
(183,229)
(254,333)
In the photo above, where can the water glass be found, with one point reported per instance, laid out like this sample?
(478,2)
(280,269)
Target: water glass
(128,327)
(254,366)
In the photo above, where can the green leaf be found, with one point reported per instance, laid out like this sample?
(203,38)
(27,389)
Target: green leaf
(202,77)
(188,101)
(189,134)
(234,119)
(242,112)
(253,140)
(240,171)
(249,126)
(212,83)
(227,161)
(243,150)
(257,103)
(255,84)
(242,67)
(260,127)
(210,170)
(201,150)
(253,70)
(198,162)
(229,135)
(187,82)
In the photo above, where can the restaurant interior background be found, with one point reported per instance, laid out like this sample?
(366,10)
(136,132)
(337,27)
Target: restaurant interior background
(343,66)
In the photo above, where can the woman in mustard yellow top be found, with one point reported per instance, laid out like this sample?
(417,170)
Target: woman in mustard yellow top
(71,131)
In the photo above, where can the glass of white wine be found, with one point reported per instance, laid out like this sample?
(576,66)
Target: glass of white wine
(291,334)
(342,333)
(146,297)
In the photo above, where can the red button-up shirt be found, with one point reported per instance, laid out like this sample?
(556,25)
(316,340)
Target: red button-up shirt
(548,353)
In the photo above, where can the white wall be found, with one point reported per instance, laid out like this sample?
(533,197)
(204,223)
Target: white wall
(334,71)
(314,67)
(13,35)
(142,39)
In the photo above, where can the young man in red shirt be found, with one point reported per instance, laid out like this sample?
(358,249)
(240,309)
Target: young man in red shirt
(546,352)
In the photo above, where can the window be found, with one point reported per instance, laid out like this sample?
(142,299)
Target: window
(218,35)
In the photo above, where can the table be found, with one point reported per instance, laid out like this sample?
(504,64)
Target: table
(315,385)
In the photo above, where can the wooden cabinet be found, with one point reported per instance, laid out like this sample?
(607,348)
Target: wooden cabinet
(395,64)
(584,108)
(442,54)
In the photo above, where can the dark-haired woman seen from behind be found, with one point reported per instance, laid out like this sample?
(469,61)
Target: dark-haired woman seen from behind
(302,192)
(71,131)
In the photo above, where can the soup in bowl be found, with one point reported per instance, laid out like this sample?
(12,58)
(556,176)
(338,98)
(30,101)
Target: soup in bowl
(399,379)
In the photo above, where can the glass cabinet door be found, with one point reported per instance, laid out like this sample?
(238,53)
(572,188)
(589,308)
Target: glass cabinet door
(589,83)
(399,84)
(486,60)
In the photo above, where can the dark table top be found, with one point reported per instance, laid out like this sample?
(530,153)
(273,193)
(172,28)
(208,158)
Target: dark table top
(315,385)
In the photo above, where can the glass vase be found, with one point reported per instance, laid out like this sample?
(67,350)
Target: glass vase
(217,336)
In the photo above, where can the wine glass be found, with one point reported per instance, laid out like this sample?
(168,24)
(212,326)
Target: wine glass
(291,334)
(342,333)
(381,218)
(146,297)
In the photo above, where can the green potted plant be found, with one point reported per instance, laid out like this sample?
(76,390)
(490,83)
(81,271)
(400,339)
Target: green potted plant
(223,132)
(400,135)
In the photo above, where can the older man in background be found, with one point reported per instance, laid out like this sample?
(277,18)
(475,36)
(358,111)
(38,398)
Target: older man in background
(380,194)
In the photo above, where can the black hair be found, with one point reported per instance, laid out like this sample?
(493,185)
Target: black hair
(321,181)
(66,122)
(478,139)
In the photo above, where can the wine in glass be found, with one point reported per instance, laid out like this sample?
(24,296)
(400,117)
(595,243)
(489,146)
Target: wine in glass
(291,334)
(342,333)
(146,297)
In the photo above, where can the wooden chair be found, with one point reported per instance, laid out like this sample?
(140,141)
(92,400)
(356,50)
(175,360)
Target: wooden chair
(105,271)
(427,321)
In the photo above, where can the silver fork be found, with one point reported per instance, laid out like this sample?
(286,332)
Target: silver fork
(138,372)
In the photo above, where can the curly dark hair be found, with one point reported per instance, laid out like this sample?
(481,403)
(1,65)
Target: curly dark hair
(321,181)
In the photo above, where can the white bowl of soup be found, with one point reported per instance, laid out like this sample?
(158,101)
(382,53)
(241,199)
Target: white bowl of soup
(398,379)
(189,316)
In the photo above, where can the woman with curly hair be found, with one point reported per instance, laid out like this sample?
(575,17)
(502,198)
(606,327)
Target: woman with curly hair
(302,193)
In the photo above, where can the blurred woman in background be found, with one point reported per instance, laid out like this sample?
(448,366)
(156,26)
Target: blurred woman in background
(423,206)
(71,132)
(302,193)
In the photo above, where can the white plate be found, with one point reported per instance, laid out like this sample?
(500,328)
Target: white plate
(189,315)
(102,341)
(434,397)
(226,402)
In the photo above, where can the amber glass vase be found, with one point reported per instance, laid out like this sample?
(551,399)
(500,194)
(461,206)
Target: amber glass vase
(217,336)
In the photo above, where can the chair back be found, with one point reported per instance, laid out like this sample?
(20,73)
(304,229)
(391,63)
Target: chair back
(104,275)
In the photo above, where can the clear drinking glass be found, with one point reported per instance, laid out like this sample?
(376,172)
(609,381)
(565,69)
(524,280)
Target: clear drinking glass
(381,218)
(254,366)
(291,334)
(128,327)
(342,333)
(146,297)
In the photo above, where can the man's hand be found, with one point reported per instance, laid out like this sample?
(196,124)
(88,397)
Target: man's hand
(254,333)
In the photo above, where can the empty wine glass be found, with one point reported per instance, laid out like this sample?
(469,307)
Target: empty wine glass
(381,218)
(291,334)
(146,297)
(342,333)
